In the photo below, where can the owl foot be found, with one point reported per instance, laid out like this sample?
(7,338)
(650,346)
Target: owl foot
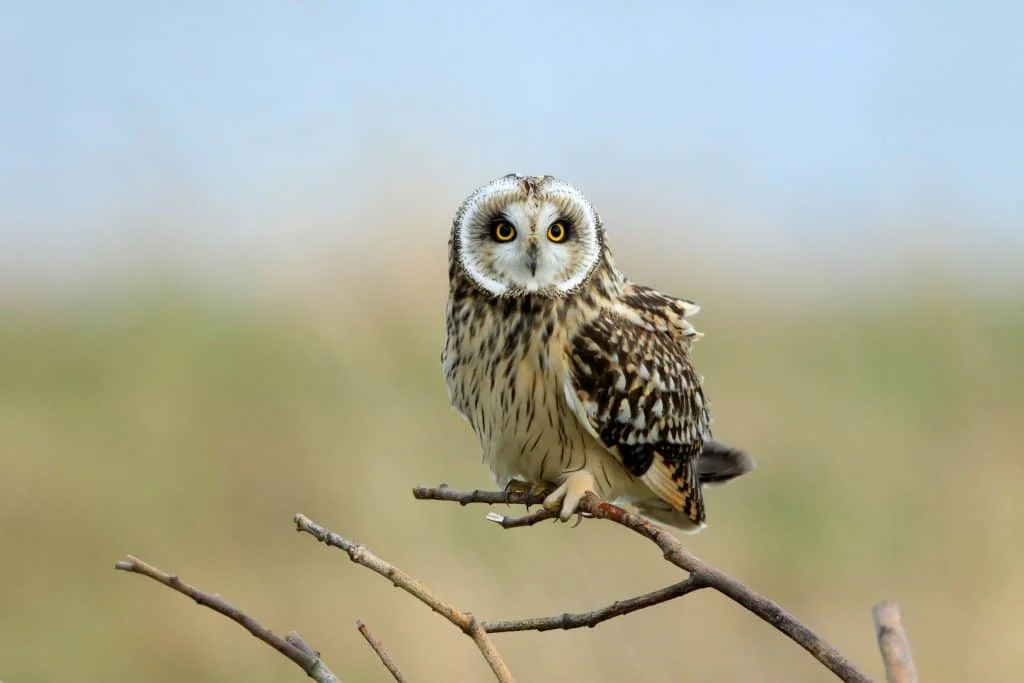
(565,500)
(527,489)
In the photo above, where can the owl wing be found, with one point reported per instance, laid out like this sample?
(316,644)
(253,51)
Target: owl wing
(632,385)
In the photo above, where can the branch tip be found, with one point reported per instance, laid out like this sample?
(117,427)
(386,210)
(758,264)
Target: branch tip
(377,647)
(893,643)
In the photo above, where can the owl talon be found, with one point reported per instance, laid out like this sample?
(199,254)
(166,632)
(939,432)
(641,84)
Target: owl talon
(516,487)
(527,490)
(541,488)
(565,500)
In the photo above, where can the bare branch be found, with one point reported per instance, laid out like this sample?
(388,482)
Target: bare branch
(592,619)
(529,519)
(511,497)
(385,658)
(466,497)
(362,555)
(674,552)
(291,647)
(490,653)
(892,641)
(465,621)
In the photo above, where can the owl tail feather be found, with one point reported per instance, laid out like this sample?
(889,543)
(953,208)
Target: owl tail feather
(720,462)
(678,484)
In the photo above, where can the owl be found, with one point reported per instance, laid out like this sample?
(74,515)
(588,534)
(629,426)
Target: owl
(574,378)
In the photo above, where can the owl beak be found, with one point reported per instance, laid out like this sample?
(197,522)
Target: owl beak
(531,257)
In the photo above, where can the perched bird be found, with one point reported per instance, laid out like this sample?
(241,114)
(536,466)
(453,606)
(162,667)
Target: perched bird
(574,378)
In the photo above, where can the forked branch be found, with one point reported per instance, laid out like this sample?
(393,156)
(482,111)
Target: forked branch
(465,621)
(703,574)
(891,637)
(292,646)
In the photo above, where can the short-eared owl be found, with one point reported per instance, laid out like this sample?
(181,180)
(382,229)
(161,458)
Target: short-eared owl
(574,378)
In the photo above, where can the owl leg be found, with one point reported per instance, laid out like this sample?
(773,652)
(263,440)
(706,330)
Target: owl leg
(566,498)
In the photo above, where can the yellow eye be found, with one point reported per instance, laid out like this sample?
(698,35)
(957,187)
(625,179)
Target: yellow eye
(504,232)
(557,232)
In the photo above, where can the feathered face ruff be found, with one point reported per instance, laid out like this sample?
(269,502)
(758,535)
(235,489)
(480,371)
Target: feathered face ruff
(521,235)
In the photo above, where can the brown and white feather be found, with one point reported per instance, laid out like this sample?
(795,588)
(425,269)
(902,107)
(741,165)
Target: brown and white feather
(565,366)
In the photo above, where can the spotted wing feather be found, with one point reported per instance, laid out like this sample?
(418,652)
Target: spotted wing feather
(634,385)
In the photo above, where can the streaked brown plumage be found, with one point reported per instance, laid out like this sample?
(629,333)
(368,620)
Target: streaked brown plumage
(570,374)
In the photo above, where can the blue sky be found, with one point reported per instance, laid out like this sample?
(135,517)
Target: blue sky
(804,117)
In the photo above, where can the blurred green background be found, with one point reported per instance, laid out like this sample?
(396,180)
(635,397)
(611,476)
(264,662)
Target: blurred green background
(223,267)
(187,429)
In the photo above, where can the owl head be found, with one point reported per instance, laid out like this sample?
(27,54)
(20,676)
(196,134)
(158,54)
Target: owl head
(527,234)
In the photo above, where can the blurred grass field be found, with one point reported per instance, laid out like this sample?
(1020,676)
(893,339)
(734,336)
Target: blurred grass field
(188,428)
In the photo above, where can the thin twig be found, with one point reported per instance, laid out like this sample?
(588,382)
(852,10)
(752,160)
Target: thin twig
(592,619)
(674,552)
(291,647)
(893,642)
(465,621)
(385,658)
